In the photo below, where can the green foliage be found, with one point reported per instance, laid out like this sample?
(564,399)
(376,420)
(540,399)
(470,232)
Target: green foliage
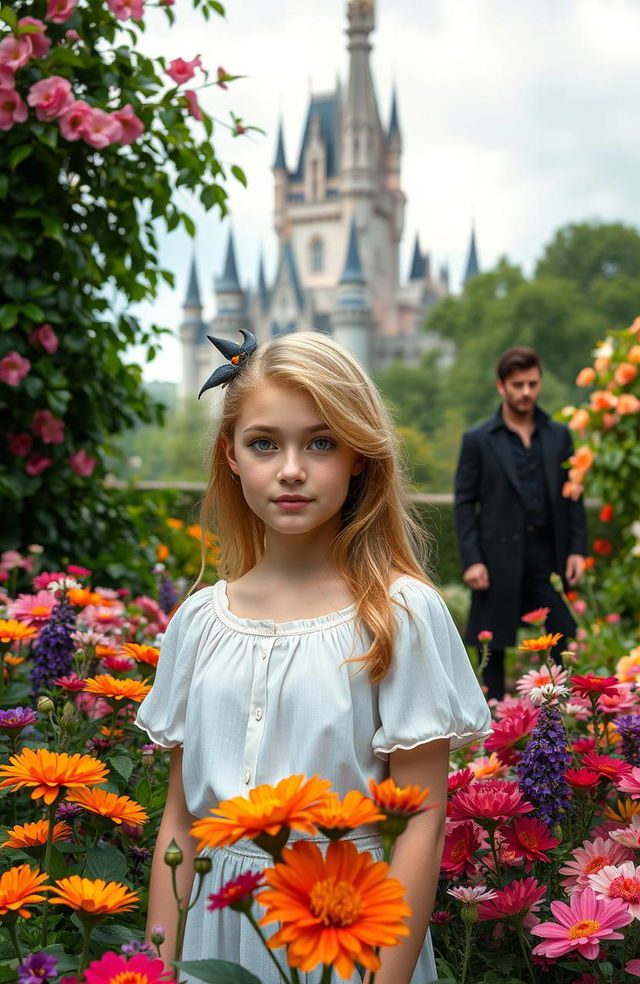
(588,252)
(78,244)
(175,451)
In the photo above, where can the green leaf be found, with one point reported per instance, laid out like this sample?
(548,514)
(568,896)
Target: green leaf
(10,17)
(32,311)
(8,315)
(18,154)
(142,793)
(107,862)
(48,135)
(239,175)
(123,765)
(8,973)
(217,971)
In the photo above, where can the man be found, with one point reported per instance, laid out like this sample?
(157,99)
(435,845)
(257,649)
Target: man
(513,525)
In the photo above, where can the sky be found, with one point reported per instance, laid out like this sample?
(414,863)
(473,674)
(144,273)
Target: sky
(519,116)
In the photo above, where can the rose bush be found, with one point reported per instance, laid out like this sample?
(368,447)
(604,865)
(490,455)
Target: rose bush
(98,138)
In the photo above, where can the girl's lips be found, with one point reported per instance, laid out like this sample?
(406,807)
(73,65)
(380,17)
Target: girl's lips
(292,505)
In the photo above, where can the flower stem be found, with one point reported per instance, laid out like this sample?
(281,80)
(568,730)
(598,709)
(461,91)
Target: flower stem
(11,928)
(326,975)
(47,864)
(467,952)
(271,955)
(523,947)
(84,956)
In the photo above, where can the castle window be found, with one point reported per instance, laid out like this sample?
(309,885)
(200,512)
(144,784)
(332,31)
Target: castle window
(317,255)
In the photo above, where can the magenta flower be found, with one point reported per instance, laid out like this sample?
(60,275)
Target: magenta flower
(19,444)
(40,43)
(582,925)
(114,966)
(33,609)
(222,78)
(37,463)
(16,719)
(631,783)
(236,893)
(82,463)
(44,335)
(15,52)
(101,129)
(50,97)
(485,635)
(192,105)
(125,9)
(59,11)
(518,901)
(619,882)
(73,120)
(132,126)
(7,78)
(181,71)
(13,368)
(47,427)
(493,799)
(633,967)
(593,856)
(37,968)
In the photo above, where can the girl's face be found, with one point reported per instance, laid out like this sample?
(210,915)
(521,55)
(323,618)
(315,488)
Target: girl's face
(293,469)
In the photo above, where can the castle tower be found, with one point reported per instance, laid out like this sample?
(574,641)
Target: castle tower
(231,300)
(189,331)
(393,157)
(281,186)
(352,317)
(362,141)
(473,266)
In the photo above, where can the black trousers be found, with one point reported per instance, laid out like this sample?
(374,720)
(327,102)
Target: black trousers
(536,592)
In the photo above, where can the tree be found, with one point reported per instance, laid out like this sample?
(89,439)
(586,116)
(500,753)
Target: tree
(98,139)
(414,393)
(589,251)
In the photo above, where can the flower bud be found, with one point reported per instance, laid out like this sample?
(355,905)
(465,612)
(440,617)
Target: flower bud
(470,913)
(45,705)
(173,856)
(556,582)
(202,865)
(157,935)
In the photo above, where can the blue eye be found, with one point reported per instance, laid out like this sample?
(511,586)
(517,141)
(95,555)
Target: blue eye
(262,444)
(326,442)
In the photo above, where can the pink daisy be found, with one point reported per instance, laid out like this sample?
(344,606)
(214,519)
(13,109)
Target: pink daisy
(516,902)
(488,767)
(633,967)
(238,893)
(582,925)
(607,765)
(502,708)
(622,702)
(629,836)
(461,842)
(471,894)
(493,800)
(530,839)
(33,609)
(589,859)
(631,783)
(511,734)
(619,882)
(115,966)
(538,678)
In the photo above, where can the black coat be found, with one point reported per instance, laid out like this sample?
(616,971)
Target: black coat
(490,519)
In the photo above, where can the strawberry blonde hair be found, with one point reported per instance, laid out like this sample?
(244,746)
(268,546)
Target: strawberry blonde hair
(379,533)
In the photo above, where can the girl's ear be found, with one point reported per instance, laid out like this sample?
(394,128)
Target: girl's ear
(358,465)
(229,451)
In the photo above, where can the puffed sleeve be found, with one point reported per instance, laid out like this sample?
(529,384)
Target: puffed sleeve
(161,714)
(431,690)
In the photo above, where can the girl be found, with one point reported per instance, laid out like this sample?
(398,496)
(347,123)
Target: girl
(325,651)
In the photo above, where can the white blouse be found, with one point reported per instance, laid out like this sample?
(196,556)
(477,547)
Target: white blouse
(253,701)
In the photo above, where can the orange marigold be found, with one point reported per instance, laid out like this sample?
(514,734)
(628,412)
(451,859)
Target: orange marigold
(395,799)
(141,653)
(334,909)
(267,811)
(50,772)
(93,897)
(13,631)
(34,834)
(106,685)
(120,809)
(335,817)
(19,887)
(81,597)
(542,642)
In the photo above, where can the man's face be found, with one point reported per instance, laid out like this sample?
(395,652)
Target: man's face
(520,390)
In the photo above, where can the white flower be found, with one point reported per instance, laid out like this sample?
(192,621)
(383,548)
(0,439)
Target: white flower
(471,893)
(548,693)
(63,584)
(605,349)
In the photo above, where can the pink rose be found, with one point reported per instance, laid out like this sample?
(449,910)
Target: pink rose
(39,41)
(20,444)
(51,97)
(15,52)
(13,109)
(81,463)
(192,104)
(47,427)
(72,35)
(72,122)
(579,607)
(13,369)
(181,71)
(7,78)
(44,335)
(132,127)
(60,11)
(36,463)
(613,618)
(100,129)
(124,9)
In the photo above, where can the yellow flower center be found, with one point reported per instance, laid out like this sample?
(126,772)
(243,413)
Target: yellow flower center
(625,888)
(585,928)
(528,839)
(596,864)
(129,977)
(38,610)
(335,903)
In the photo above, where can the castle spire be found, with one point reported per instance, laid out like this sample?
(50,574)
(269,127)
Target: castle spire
(362,136)
(280,162)
(263,293)
(394,126)
(229,280)
(418,263)
(473,267)
(352,273)
(192,297)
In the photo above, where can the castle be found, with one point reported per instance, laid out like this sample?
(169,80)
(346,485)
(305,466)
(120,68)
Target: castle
(339,217)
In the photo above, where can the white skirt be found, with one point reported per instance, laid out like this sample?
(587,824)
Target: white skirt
(228,935)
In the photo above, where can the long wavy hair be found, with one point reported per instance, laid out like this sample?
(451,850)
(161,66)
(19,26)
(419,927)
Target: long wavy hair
(379,533)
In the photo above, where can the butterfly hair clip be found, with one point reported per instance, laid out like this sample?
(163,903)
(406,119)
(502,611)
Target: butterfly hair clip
(237,356)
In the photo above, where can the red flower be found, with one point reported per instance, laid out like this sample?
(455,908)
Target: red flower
(606,765)
(47,427)
(491,800)
(485,635)
(72,683)
(589,684)
(512,733)
(582,745)
(37,463)
(530,839)
(514,902)
(236,893)
(20,444)
(589,563)
(582,778)
(459,779)
(537,617)
(606,514)
(602,546)
(181,71)
(460,843)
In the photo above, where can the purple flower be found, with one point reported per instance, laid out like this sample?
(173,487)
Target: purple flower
(628,727)
(54,648)
(542,767)
(17,718)
(38,967)
(139,854)
(167,596)
(136,946)
(68,812)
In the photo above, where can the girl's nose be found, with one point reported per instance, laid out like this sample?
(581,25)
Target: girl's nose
(292,468)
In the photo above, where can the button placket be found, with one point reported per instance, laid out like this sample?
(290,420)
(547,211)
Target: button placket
(257,707)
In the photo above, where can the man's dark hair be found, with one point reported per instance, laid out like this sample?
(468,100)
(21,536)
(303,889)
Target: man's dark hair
(515,358)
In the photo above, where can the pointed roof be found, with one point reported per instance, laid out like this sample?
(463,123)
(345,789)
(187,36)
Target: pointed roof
(263,293)
(326,110)
(352,273)
(418,263)
(280,163)
(192,298)
(394,125)
(229,280)
(473,267)
(444,273)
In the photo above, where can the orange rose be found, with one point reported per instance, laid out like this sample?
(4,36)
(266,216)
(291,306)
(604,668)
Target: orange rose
(572,490)
(602,363)
(634,329)
(628,403)
(633,355)
(601,400)
(580,420)
(610,420)
(625,373)
(583,458)
(586,377)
